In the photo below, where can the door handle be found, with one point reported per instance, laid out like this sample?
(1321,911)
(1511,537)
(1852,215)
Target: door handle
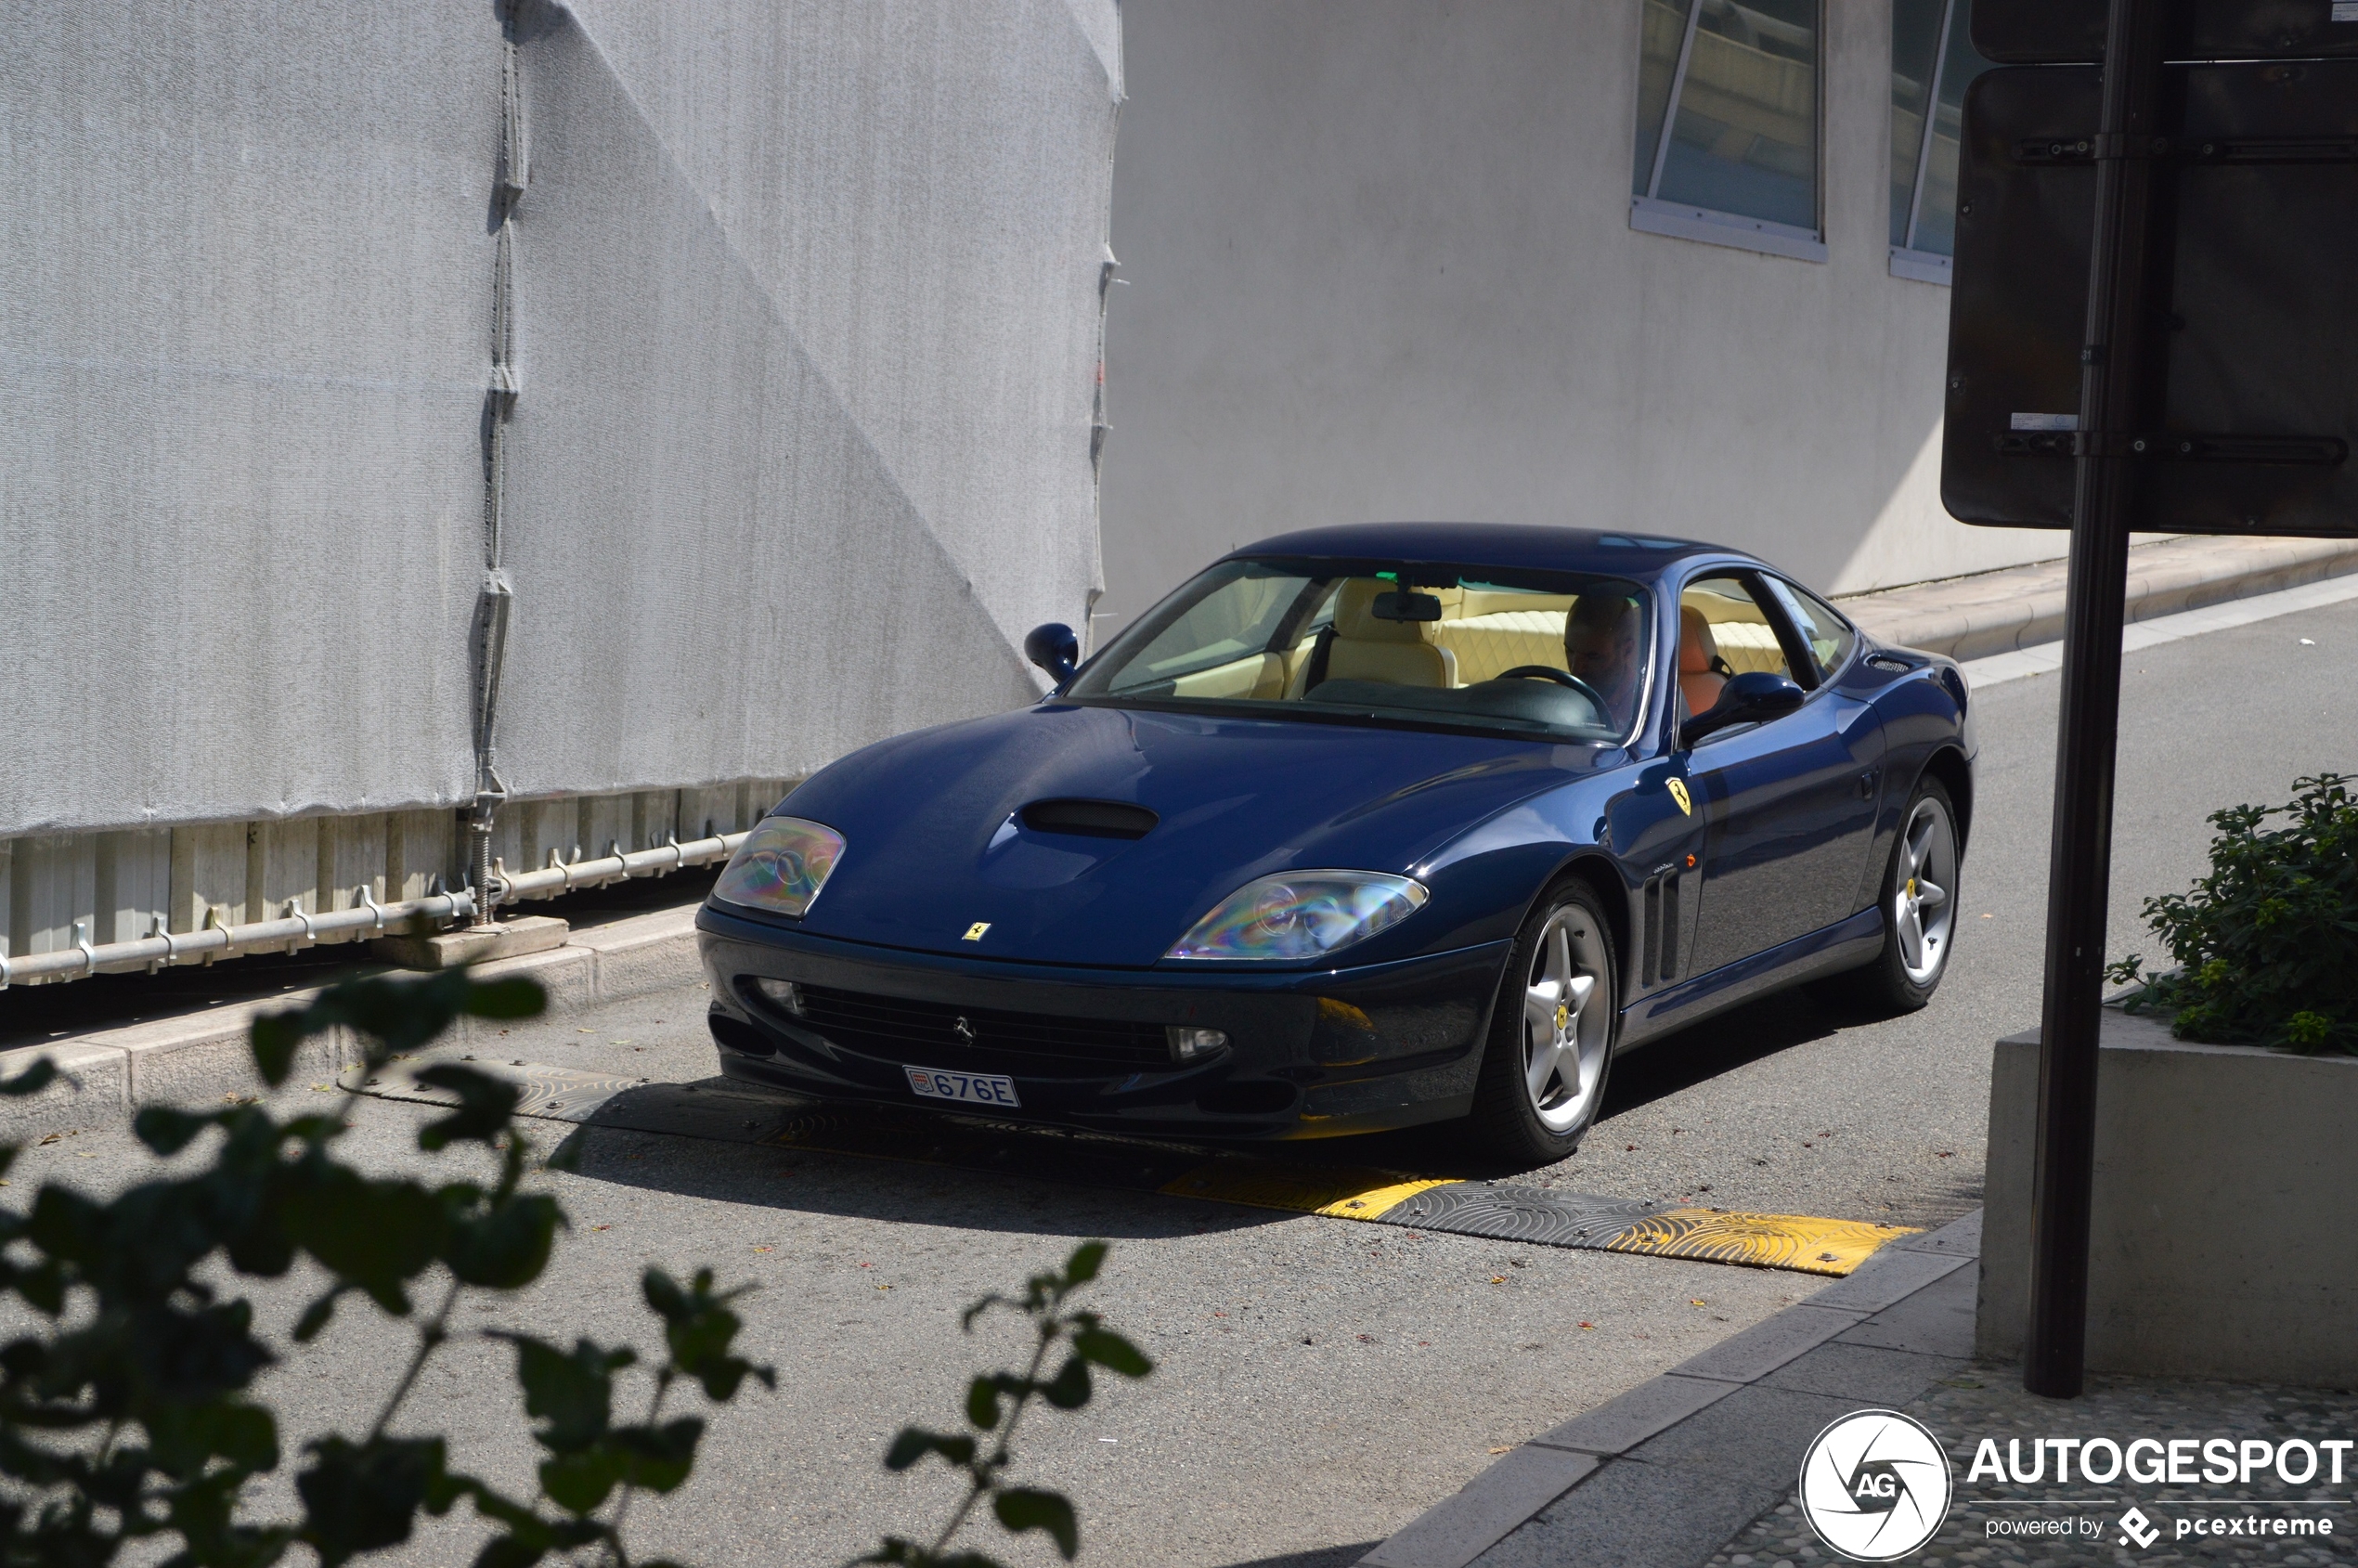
(1867,783)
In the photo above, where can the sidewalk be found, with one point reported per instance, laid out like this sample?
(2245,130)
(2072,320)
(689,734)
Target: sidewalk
(1989,1402)
(1697,1469)
(2021,606)
(201,1053)
(1666,1474)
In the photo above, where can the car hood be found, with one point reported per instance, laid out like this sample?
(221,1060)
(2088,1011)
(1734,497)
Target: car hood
(934,847)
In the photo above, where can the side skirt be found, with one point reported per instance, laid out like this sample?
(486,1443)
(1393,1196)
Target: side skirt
(1844,945)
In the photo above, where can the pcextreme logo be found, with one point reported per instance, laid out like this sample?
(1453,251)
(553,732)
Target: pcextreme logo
(1875,1485)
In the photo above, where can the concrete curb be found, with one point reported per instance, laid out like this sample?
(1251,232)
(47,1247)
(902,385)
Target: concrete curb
(1669,1472)
(202,1056)
(2022,606)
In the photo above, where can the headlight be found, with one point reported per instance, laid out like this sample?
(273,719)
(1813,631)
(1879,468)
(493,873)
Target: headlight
(1302,914)
(782,866)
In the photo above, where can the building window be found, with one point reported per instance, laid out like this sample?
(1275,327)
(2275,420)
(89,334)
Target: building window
(1933,62)
(1727,124)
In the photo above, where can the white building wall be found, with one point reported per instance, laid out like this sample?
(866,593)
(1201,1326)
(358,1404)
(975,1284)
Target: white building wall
(1380,265)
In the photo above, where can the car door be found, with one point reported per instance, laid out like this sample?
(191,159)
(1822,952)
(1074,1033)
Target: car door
(1789,805)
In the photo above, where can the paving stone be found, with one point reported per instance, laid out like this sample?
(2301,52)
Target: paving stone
(1644,1411)
(1772,1342)
(1487,1507)
(1937,1320)
(1889,1279)
(1634,1515)
(1865,1373)
(1960,1237)
(1756,1434)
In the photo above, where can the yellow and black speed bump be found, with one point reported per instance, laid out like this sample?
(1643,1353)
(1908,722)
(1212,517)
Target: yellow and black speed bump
(1494,1211)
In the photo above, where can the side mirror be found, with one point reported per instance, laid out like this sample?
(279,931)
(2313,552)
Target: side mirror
(1055,648)
(1753,697)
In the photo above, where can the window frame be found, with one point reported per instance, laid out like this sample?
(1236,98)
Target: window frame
(1754,582)
(1779,587)
(1905,260)
(1649,213)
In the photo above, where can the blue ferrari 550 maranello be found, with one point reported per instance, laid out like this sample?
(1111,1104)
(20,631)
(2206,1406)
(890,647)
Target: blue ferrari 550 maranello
(1362,827)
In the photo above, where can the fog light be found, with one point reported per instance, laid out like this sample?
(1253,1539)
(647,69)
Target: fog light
(780,994)
(1191,1044)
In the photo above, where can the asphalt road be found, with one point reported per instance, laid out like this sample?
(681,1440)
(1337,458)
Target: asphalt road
(1319,1382)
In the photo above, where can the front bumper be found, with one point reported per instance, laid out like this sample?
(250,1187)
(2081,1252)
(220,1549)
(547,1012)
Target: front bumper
(1309,1055)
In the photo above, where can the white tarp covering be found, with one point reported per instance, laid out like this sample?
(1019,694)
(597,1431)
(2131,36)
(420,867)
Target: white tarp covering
(805,303)
(244,285)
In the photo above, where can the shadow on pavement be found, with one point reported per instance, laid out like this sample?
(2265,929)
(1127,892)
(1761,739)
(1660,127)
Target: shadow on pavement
(1325,1557)
(1679,1062)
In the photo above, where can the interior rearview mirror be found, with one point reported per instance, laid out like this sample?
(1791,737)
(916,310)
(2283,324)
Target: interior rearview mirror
(1753,697)
(1405,606)
(1055,648)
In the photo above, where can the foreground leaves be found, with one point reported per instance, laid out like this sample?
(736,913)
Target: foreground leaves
(125,1415)
(126,1419)
(994,1407)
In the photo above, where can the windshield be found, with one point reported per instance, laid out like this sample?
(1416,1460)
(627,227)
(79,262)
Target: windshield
(1564,654)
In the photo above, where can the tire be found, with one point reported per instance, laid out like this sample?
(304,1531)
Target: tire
(1549,1027)
(1919,899)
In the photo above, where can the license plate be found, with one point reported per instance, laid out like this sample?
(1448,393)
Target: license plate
(966,1088)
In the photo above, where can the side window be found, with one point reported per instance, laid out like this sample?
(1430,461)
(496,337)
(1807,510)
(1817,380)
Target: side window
(1723,631)
(1829,636)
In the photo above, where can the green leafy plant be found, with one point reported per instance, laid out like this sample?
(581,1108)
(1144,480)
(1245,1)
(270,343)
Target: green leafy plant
(127,1418)
(995,1406)
(126,1413)
(2267,944)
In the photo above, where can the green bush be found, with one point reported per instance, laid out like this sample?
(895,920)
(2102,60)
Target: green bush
(126,1412)
(2267,944)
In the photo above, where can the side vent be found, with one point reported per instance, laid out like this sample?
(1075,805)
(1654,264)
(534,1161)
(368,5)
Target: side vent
(1658,958)
(1090,819)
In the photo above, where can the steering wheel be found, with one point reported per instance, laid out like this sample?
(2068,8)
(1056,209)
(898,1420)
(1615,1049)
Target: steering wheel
(1561,678)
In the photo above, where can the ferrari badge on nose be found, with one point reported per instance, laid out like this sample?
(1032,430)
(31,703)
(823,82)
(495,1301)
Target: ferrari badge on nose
(974,931)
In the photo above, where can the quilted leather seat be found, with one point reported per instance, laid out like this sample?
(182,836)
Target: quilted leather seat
(1399,652)
(1487,646)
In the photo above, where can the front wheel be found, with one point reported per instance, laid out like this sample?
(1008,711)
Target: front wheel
(1919,899)
(1543,1068)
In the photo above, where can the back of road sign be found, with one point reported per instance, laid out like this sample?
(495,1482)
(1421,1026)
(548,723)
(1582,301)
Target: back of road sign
(2257,347)
(2072,32)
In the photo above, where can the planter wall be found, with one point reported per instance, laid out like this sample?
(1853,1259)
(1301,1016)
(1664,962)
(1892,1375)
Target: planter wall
(2224,1235)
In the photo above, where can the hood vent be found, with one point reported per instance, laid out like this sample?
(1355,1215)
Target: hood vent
(1091,819)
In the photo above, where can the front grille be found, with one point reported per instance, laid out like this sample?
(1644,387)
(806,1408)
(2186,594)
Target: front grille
(1020,1045)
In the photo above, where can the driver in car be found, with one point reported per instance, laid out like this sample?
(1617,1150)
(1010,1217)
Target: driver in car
(1600,647)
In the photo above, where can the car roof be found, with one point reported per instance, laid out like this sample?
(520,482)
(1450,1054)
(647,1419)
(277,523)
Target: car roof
(1642,556)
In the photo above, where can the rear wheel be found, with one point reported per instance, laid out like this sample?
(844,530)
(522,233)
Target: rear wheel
(1919,899)
(1543,1068)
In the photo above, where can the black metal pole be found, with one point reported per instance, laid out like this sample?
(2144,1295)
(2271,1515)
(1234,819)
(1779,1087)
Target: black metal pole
(2114,406)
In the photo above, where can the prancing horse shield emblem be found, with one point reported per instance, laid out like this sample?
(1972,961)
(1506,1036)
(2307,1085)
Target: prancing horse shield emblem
(965,1030)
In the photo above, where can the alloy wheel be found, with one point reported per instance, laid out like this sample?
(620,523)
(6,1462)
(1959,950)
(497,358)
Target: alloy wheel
(1921,910)
(1567,1015)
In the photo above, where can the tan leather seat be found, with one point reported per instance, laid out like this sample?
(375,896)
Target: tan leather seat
(1401,653)
(1698,682)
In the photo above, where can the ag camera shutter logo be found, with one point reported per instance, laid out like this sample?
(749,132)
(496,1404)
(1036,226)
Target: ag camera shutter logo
(1875,1485)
